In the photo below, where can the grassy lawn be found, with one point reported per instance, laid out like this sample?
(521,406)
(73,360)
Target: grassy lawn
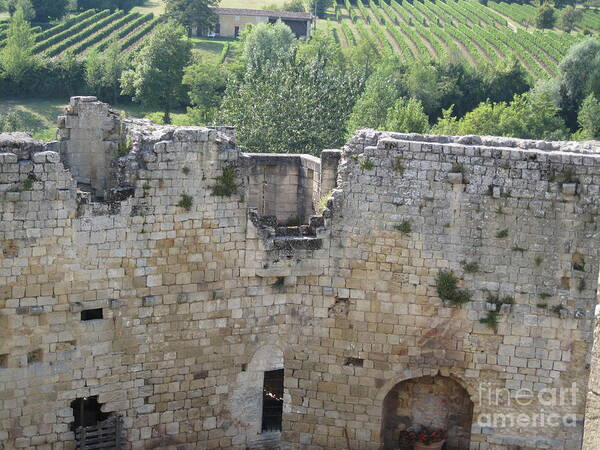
(151,6)
(158,7)
(210,49)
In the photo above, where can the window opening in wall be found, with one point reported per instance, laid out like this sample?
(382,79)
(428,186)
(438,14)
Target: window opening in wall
(86,412)
(92,314)
(272,410)
(35,356)
(3,361)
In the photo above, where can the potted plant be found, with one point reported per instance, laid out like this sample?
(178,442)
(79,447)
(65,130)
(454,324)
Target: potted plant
(425,438)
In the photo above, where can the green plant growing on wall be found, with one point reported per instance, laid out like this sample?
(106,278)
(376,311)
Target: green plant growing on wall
(502,234)
(322,205)
(225,185)
(491,319)
(448,290)
(186,202)
(516,248)
(544,295)
(279,282)
(27,185)
(186,170)
(405,227)
(458,168)
(538,261)
(542,305)
(558,309)
(581,285)
(470,267)
(367,164)
(398,165)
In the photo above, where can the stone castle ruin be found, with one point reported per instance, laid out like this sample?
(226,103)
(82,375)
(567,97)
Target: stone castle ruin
(210,298)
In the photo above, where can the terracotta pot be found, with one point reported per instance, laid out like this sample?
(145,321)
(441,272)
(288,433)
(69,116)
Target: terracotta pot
(434,446)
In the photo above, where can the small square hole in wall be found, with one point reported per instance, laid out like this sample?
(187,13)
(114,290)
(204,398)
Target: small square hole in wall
(35,356)
(92,314)
(3,361)
(355,362)
(244,367)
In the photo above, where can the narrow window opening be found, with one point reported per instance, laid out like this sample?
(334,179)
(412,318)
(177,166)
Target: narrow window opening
(3,361)
(272,410)
(92,314)
(35,356)
(356,362)
(87,412)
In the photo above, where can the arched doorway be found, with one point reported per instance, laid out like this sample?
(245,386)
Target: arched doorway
(434,401)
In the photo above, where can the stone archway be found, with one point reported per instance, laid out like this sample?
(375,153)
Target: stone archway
(436,401)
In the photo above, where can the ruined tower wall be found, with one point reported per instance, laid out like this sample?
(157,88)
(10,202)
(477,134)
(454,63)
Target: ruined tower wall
(200,295)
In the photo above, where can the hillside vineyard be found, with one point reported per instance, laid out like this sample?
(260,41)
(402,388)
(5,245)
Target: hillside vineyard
(155,278)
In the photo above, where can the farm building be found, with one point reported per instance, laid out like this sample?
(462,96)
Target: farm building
(232,21)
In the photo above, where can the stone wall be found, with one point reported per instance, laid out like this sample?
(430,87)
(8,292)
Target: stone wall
(200,294)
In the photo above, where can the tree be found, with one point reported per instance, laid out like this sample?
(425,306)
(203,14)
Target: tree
(25,5)
(207,84)
(17,55)
(297,106)
(545,16)
(267,44)
(382,89)
(319,7)
(192,13)
(569,18)
(527,116)
(47,10)
(589,118)
(407,117)
(155,78)
(579,76)
(103,71)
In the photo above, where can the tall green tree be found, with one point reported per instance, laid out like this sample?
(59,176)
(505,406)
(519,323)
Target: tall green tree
(382,89)
(407,116)
(192,13)
(298,105)
(545,16)
(103,71)
(157,69)
(589,118)
(569,18)
(579,76)
(17,55)
(24,5)
(207,84)
(266,44)
(319,7)
(527,116)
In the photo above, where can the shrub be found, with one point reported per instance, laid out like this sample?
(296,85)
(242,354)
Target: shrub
(448,290)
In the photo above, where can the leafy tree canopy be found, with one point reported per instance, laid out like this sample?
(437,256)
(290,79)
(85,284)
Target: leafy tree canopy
(527,116)
(157,69)
(589,118)
(296,105)
(407,117)
(207,83)
(545,16)
(266,44)
(192,13)
(17,55)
